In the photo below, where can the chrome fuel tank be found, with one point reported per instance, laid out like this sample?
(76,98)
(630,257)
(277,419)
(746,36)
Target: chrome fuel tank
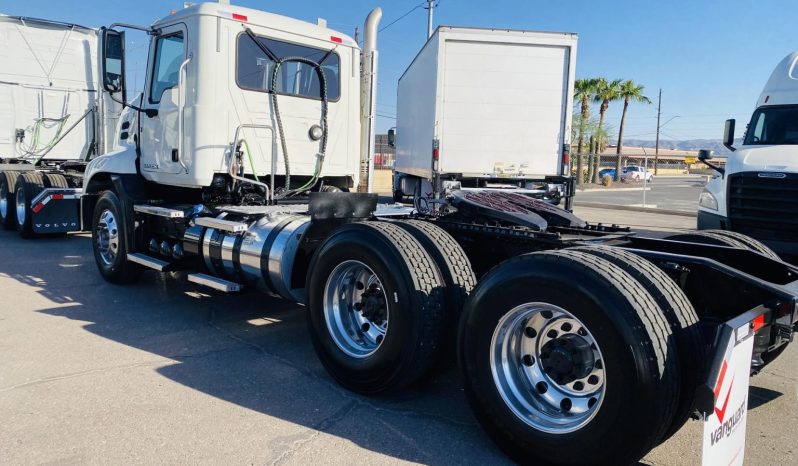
(262,256)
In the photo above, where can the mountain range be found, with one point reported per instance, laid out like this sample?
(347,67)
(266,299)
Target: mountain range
(688,144)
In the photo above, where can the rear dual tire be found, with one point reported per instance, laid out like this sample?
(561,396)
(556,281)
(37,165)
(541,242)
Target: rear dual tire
(376,307)
(637,396)
(8,183)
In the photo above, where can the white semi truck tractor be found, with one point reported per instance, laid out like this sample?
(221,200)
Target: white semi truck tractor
(756,192)
(577,343)
(54,117)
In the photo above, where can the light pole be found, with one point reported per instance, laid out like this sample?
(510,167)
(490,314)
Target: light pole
(659,126)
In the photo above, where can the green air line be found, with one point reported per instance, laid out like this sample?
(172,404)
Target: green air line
(251,163)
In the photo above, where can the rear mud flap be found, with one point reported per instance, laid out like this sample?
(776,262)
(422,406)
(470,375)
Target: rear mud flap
(56,210)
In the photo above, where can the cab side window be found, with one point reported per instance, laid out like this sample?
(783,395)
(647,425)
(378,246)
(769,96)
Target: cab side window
(168,57)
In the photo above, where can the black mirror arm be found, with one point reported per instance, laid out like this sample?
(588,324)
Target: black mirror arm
(718,169)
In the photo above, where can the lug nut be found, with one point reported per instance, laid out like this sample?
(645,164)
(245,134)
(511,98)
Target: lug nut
(365,327)
(542,387)
(552,333)
(528,360)
(530,332)
(566,404)
(578,386)
(566,327)
(593,380)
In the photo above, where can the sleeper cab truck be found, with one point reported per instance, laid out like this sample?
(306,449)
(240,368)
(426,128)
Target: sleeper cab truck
(54,117)
(756,191)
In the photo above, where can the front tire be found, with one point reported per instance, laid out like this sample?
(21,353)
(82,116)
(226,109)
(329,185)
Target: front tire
(590,374)
(109,241)
(376,307)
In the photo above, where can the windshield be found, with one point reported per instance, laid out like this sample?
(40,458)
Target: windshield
(773,125)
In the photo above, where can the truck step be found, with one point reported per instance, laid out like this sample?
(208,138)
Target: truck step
(147,261)
(221,224)
(214,282)
(158,211)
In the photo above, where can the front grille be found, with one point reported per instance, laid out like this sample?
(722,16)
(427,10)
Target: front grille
(764,207)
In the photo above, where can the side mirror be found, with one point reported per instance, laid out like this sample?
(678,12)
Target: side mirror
(113,62)
(705,154)
(392,137)
(728,135)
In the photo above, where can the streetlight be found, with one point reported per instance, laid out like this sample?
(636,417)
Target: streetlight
(659,126)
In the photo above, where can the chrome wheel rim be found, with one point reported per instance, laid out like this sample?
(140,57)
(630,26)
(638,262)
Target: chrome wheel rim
(355,309)
(107,237)
(20,204)
(3,201)
(548,368)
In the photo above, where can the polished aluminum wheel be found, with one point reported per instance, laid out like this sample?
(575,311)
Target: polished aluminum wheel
(355,309)
(107,237)
(20,203)
(547,368)
(3,203)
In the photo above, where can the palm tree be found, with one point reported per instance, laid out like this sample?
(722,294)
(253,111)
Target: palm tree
(583,92)
(630,92)
(606,92)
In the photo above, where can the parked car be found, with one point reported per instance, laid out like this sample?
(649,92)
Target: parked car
(635,173)
(607,171)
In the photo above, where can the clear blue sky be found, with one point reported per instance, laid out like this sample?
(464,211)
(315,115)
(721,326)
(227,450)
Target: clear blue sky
(710,57)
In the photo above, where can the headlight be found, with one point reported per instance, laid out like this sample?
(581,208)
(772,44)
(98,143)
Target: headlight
(708,200)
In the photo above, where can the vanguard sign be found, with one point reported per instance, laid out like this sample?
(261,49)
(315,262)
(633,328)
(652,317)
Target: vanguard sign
(724,428)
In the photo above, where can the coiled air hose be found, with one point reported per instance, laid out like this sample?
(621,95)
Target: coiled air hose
(317,66)
(322,144)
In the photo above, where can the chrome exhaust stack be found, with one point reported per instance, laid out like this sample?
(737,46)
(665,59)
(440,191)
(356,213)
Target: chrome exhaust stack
(368,99)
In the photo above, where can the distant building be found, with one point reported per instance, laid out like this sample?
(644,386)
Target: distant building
(640,152)
(384,155)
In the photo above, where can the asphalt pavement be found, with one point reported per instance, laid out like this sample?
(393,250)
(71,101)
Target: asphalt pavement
(165,371)
(665,192)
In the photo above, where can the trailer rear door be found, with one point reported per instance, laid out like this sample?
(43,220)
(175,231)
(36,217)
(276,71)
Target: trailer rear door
(504,107)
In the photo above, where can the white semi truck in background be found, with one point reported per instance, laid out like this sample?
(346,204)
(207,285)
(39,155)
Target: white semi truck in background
(54,117)
(756,191)
(481,108)
(577,343)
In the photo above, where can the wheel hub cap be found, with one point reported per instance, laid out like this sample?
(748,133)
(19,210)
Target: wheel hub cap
(20,206)
(547,367)
(107,237)
(3,202)
(355,309)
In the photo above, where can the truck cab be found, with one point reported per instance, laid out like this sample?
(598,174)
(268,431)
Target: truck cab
(755,193)
(209,114)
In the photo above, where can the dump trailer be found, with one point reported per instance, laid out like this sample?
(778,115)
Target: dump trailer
(578,343)
(487,108)
(54,117)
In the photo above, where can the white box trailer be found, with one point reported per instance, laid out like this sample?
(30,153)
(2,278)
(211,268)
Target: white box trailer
(486,108)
